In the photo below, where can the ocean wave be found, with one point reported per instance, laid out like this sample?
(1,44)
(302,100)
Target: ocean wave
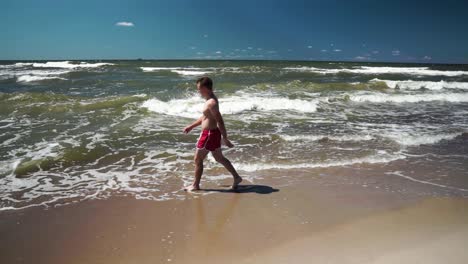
(382,158)
(66,64)
(23,72)
(408,139)
(415,85)
(191,107)
(35,78)
(194,71)
(179,70)
(419,71)
(409,98)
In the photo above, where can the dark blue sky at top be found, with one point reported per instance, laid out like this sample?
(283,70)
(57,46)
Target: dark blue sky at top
(406,31)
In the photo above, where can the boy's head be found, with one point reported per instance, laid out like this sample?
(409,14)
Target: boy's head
(205,86)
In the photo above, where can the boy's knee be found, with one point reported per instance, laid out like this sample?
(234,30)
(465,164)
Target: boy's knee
(220,159)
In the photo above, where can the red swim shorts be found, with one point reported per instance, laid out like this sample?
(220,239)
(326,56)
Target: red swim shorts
(209,139)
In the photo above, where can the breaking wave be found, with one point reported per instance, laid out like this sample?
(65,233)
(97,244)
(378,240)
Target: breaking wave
(27,72)
(191,107)
(407,139)
(35,78)
(64,64)
(415,85)
(409,98)
(419,71)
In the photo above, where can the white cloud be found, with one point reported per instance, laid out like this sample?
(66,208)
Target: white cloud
(249,48)
(309,47)
(337,50)
(395,52)
(375,52)
(205,35)
(192,47)
(200,53)
(361,58)
(427,58)
(125,24)
(218,52)
(324,50)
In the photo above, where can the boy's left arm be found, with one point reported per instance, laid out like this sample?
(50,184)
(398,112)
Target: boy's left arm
(219,119)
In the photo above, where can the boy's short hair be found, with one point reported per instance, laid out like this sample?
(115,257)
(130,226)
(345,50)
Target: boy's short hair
(205,81)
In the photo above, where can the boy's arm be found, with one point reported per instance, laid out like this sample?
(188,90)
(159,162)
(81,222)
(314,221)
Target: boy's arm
(187,129)
(219,119)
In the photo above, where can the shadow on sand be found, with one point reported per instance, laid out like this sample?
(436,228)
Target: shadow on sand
(244,188)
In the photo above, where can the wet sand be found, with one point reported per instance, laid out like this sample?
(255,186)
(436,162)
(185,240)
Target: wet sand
(301,223)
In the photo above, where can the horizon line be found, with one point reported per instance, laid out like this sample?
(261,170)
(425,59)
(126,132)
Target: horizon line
(234,59)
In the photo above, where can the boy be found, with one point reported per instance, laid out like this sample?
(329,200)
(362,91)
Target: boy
(213,130)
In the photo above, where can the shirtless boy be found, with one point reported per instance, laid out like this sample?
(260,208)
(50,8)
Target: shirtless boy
(213,130)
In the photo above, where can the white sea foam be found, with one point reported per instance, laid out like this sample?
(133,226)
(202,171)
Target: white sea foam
(194,71)
(382,158)
(23,72)
(191,107)
(331,137)
(189,71)
(419,71)
(400,174)
(68,64)
(409,98)
(143,180)
(35,78)
(416,139)
(415,85)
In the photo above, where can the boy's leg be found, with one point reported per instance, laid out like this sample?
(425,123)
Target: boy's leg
(200,155)
(219,157)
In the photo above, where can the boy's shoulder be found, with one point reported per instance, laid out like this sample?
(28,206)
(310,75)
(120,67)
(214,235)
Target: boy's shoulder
(211,102)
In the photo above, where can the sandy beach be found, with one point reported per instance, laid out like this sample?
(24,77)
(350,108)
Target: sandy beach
(303,223)
(344,122)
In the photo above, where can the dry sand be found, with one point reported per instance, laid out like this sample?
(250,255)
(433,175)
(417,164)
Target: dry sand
(304,223)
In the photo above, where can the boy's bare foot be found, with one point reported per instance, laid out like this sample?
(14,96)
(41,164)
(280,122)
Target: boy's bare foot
(192,188)
(236,182)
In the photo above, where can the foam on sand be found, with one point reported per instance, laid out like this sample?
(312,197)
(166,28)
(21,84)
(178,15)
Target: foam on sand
(419,71)
(380,158)
(330,137)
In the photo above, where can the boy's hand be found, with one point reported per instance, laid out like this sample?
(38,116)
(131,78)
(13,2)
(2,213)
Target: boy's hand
(187,129)
(228,143)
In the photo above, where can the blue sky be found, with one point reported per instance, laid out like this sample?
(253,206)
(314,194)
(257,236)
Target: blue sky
(366,30)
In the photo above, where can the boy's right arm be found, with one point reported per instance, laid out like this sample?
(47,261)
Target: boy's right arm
(187,129)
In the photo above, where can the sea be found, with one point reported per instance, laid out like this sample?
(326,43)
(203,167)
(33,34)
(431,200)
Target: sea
(72,131)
